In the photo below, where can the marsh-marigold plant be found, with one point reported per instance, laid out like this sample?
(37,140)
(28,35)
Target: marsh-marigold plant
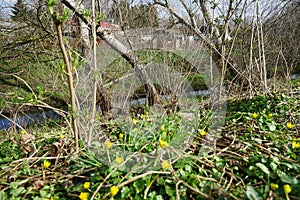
(289,125)
(108,145)
(255,115)
(84,195)
(165,165)
(114,190)
(119,160)
(86,185)
(163,144)
(203,132)
(274,186)
(295,143)
(287,189)
(46,164)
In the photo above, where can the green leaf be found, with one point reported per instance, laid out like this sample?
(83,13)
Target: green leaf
(159,197)
(263,168)
(43,193)
(287,178)
(252,194)
(125,191)
(170,191)
(139,185)
(273,165)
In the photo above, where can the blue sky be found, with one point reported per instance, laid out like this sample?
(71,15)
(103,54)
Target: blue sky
(5,5)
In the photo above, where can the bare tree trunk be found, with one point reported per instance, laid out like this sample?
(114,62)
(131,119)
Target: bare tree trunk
(218,39)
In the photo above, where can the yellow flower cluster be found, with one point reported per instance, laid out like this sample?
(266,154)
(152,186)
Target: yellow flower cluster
(145,116)
(287,189)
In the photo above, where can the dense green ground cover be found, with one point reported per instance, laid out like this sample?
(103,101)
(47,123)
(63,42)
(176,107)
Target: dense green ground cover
(256,157)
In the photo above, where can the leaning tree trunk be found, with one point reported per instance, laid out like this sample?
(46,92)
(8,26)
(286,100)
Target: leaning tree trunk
(125,53)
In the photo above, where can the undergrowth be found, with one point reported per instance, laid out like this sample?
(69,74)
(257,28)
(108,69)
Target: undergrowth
(256,157)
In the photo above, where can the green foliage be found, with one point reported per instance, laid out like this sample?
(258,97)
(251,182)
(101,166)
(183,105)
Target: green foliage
(248,163)
(51,4)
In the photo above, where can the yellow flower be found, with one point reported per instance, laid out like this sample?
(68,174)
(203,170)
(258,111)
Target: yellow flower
(287,188)
(61,136)
(255,115)
(22,132)
(163,144)
(119,160)
(46,164)
(203,132)
(162,128)
(121,135)
(84,195)
(135,129)
(108,144)
(274,186)
(146,113)
(295,144)
(114,190)
(165,165)
(134,121)
(86,185)
(270,115)
(51,198)
(289,125)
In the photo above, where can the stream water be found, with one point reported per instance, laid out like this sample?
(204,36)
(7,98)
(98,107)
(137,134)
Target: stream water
(41,117)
